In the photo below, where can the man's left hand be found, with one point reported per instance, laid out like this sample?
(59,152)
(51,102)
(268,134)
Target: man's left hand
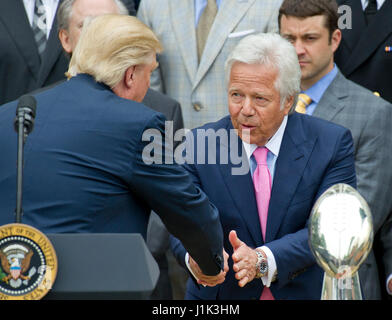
(244,260)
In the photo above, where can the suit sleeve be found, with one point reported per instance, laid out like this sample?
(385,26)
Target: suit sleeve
(175,244)
(372,161)
(144,14)
(292,252)
(183,207)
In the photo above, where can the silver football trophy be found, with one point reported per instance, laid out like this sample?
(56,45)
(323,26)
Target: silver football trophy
(341,237)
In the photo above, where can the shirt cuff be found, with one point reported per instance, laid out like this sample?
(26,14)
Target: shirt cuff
(389,279)
(189,267)
(271,266)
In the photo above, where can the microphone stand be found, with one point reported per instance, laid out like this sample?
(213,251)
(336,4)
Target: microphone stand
(23,124)
(19,179)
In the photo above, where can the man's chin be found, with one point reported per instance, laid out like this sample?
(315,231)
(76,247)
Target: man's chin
(246,136)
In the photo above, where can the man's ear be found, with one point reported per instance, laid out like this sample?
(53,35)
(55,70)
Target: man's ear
(335,39)
(129,77)
(65,40)
(288,104)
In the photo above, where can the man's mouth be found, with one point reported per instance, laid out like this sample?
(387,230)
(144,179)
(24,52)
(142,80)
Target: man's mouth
(303,63)
(247,127)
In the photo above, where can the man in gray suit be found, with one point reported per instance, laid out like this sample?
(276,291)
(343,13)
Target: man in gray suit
(312,27)
(71,15)
(197,36)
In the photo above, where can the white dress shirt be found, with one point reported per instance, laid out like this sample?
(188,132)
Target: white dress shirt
(50,10)
(273,146)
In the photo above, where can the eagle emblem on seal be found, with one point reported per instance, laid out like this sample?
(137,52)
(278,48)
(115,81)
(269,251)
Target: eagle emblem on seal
(15,262)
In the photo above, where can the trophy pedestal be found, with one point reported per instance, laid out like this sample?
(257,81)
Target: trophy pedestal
(347,288)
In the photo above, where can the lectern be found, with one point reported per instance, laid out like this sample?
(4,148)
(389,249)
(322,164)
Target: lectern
(102,266)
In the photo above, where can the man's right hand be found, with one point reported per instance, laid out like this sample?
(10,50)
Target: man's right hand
(209,281)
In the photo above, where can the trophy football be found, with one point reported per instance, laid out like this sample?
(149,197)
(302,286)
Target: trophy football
(340,238)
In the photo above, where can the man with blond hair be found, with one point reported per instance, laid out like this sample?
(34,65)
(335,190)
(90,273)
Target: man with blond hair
(70,17)
(84,165)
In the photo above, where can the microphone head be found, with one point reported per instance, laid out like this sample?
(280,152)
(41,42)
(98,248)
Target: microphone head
(27,102)
(25,113)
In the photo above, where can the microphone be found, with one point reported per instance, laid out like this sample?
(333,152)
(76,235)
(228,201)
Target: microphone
(23,124)
(25,114)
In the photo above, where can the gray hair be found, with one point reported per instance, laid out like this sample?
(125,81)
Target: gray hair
(65,10)
(272,50)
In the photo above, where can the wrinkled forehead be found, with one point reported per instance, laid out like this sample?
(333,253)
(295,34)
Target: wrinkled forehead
(82,9)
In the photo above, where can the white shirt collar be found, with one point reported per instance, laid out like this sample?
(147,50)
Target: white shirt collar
(366,2)
(273,144)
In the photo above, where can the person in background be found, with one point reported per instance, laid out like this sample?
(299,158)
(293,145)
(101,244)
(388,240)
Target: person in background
(365,57)
(312,27)
(31,56)
(365,53)
(197,37)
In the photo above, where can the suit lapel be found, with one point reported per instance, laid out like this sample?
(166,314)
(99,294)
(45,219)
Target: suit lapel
(52,52)
(183,23)
(14,17)
(229,15)
(241,189)
(371,37)
(294,154)
(332,101)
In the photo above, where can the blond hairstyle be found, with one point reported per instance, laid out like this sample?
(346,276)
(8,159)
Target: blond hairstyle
(109,45)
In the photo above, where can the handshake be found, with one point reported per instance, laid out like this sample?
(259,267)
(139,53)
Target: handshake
(244,264)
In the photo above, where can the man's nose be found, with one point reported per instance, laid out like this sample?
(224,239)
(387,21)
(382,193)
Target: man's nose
(247,107)
(299,48)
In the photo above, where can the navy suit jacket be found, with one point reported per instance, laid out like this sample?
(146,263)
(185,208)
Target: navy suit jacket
(84,171)
(314,155)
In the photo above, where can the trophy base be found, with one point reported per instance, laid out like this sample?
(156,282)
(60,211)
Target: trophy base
(347,288)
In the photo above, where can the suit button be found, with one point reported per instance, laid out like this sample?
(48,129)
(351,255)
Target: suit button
(197,107)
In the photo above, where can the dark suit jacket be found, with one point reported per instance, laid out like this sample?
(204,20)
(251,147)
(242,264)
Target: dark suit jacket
(361,55)
(20,68)
(166,105)
(314,155)
(130,4)
(153,99)
(84,171)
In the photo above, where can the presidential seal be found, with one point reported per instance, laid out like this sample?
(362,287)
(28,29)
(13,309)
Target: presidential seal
(28,263)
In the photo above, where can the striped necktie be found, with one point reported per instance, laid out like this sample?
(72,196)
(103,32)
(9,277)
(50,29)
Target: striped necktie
(39,26)
(303,101)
